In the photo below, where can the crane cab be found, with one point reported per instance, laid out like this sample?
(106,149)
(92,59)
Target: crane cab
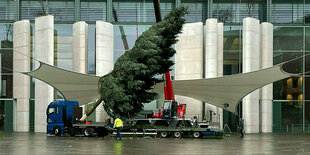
(170,108)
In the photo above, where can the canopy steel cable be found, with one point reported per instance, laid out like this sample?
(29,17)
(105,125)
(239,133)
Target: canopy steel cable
(31,58)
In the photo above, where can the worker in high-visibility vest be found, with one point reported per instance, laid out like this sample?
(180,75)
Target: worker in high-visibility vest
(118,124)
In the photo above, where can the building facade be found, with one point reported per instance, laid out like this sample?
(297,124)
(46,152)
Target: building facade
(291,38)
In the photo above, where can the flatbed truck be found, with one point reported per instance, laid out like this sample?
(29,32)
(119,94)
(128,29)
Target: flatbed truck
(63,118)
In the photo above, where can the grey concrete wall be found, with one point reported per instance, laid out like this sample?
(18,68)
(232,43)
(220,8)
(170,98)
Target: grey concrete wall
(267,91)
(104,57)
(251,62)
(189,63)
(44,51)
(21,83)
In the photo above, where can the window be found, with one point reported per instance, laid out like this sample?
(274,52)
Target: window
(167,105)
(287,11)
(9,9)
(61,10)
(52,110)
(92,10)
(197,10)
(139,11)
(234,11)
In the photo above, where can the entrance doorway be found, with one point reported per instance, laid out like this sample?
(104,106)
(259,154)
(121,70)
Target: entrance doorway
(6,114)
(1,116)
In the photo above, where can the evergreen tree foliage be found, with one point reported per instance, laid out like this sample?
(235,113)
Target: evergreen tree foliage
(129,85)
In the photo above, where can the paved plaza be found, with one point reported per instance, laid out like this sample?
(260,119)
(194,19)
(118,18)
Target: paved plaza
(40,143)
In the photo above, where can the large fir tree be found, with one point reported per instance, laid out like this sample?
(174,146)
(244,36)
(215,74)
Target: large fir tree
(128,86)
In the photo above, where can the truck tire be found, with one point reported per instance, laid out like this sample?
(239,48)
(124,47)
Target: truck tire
(88,132)
(197,134)
(102,132)
(57,131)
(72,132)
(177,134)
(164,134)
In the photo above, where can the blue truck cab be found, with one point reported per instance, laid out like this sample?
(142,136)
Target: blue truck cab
(60,115)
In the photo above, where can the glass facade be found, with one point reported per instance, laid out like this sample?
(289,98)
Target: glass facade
(6,78)
(92,10)
(233,11)
(6,48)
(291,20)
(62,10)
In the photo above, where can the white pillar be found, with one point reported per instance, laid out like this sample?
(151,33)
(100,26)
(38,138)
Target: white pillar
(79,52)
(189,63)
(212,55)
(267,91)
(251,62)
(211,48)
(21,83)
(220,46)
(44,51)
(104,57)
(80,40)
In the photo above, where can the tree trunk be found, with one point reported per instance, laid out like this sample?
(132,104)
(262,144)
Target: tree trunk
(91,109)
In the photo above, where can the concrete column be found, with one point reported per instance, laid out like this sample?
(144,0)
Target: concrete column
(213,60)
(44,51)
(80,54)
(104,57)
(211,48)
(21,83)
(189,63)
(220,46)
(267,91)
(251,62)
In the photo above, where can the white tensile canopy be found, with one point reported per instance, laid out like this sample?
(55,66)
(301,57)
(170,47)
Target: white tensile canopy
(224,92)
(72,85)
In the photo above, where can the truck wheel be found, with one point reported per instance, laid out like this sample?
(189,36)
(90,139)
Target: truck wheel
(196,134)
(57,131)
(72,132)
(88,132)
(177,134)
(102,132)
(164,134)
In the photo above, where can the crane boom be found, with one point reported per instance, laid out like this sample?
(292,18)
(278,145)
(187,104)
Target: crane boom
(168,89)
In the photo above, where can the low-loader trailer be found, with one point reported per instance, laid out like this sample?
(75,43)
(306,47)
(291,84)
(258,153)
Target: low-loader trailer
(63,118)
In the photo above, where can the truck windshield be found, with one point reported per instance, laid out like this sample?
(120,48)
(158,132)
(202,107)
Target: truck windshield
(52,110)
